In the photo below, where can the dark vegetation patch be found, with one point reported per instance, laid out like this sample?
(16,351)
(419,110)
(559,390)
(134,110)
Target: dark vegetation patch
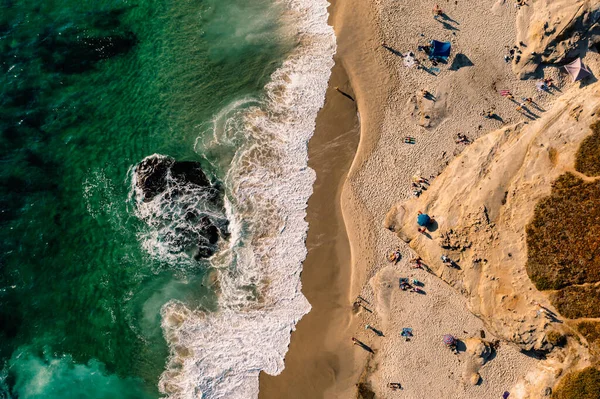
(553,155)
(584,384)
(563,241)
(556,339)
(364,391)
(590,330)
(578,301)
(588,155)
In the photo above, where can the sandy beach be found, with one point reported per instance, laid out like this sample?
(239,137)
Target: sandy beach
(317,357)
(371,37)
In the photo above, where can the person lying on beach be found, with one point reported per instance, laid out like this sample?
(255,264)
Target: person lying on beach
(418,262)
(488,114)
(461,138)
(394,385)
(395,256)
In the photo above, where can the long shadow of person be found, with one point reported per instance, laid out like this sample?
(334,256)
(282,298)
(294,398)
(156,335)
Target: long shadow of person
(392,50)
(446,17)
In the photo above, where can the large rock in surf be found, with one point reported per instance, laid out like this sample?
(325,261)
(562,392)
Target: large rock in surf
(152,173)
(178,200)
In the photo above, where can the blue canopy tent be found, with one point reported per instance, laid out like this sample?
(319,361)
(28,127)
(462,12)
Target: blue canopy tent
(423,219)
(439,50)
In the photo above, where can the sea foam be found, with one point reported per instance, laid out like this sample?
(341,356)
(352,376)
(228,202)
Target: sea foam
(220,354)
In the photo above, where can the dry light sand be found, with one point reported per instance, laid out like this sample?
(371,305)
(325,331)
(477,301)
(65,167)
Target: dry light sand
(322,361)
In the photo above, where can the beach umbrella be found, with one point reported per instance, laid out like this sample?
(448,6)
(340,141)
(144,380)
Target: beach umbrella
(423,219)
(577,70)
(449,339)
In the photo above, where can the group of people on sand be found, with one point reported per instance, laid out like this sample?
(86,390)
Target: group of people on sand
(423,229)
(419,184)
(395,256)
(406,286)
(545,84)
(514,53)
(522,107)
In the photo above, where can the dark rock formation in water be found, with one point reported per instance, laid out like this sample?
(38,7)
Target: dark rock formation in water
(187,209)
(152,174)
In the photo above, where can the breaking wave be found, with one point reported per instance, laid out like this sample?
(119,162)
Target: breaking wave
(220,354)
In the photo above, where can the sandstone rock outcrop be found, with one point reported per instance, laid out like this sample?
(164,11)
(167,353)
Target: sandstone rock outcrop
(555,31)
(478,352)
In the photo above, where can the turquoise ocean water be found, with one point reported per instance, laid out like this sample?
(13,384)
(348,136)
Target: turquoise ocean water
(87,90)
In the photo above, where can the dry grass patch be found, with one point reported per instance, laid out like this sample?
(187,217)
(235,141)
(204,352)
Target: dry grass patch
(590,330)
(556,339)
(553,155)
(578,301)
(588,155)
(584,384)
(563,240)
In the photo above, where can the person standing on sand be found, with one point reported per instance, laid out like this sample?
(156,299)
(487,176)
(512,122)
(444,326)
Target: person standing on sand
(343,93)
(362,345)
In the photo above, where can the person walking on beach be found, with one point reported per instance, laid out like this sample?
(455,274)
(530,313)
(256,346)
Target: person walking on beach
(376,331)
(362,345)
(343,93)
